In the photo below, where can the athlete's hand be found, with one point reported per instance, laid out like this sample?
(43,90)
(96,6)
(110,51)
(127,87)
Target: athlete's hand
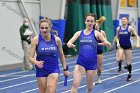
(66,73)
(39,64)
(70,45)
(107,44)
(118,45)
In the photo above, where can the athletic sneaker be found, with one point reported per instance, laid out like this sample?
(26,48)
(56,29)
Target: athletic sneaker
(129,77)
(99,81)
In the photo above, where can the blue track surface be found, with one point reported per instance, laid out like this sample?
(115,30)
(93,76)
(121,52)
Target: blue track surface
(17,81)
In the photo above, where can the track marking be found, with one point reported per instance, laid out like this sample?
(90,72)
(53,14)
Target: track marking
(104,80)
(122,86)
(84,77)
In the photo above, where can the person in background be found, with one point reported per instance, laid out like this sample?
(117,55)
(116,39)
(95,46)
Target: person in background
(87,56)
(123,34)
(47,47)
(100,48)
(25,35)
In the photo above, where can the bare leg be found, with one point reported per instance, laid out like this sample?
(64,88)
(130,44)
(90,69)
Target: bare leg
(78,74)
(99,70)
(52,80)
(42,82)
(119,58)
(90,79)
(100,59)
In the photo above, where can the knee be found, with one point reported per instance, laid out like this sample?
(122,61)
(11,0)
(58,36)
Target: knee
(119,58)
(50,89)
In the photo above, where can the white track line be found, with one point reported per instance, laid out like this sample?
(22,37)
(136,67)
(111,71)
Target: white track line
(102,80)
(21,76)
(12,73)
(60,64)
(17,84)
(24,76)
(23,83)
(72,79)
(83,77)
(122,86)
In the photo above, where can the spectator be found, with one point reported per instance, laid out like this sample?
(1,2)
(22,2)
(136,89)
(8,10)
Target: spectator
(25,34)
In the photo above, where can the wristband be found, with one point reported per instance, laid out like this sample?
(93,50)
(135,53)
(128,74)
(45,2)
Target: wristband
(65,70)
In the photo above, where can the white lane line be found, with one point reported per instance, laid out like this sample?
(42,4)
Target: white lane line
(104,80)
(71,62)
(24,76)
(21,76)
(122,86)
(84,77)
(37,88)
(138,73)
(12,73)
(30,90)
(6,75)
(35,80)
(18,84)
(72,79)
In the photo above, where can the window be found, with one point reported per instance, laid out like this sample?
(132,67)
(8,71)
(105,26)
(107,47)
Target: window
(128,3)
(132,3)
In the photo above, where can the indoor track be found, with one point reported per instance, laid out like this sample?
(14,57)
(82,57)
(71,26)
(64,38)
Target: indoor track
(17,81)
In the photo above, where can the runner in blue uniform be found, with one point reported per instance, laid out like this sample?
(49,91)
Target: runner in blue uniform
(123,33)
(47,47)
(100,48)
(87,57)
